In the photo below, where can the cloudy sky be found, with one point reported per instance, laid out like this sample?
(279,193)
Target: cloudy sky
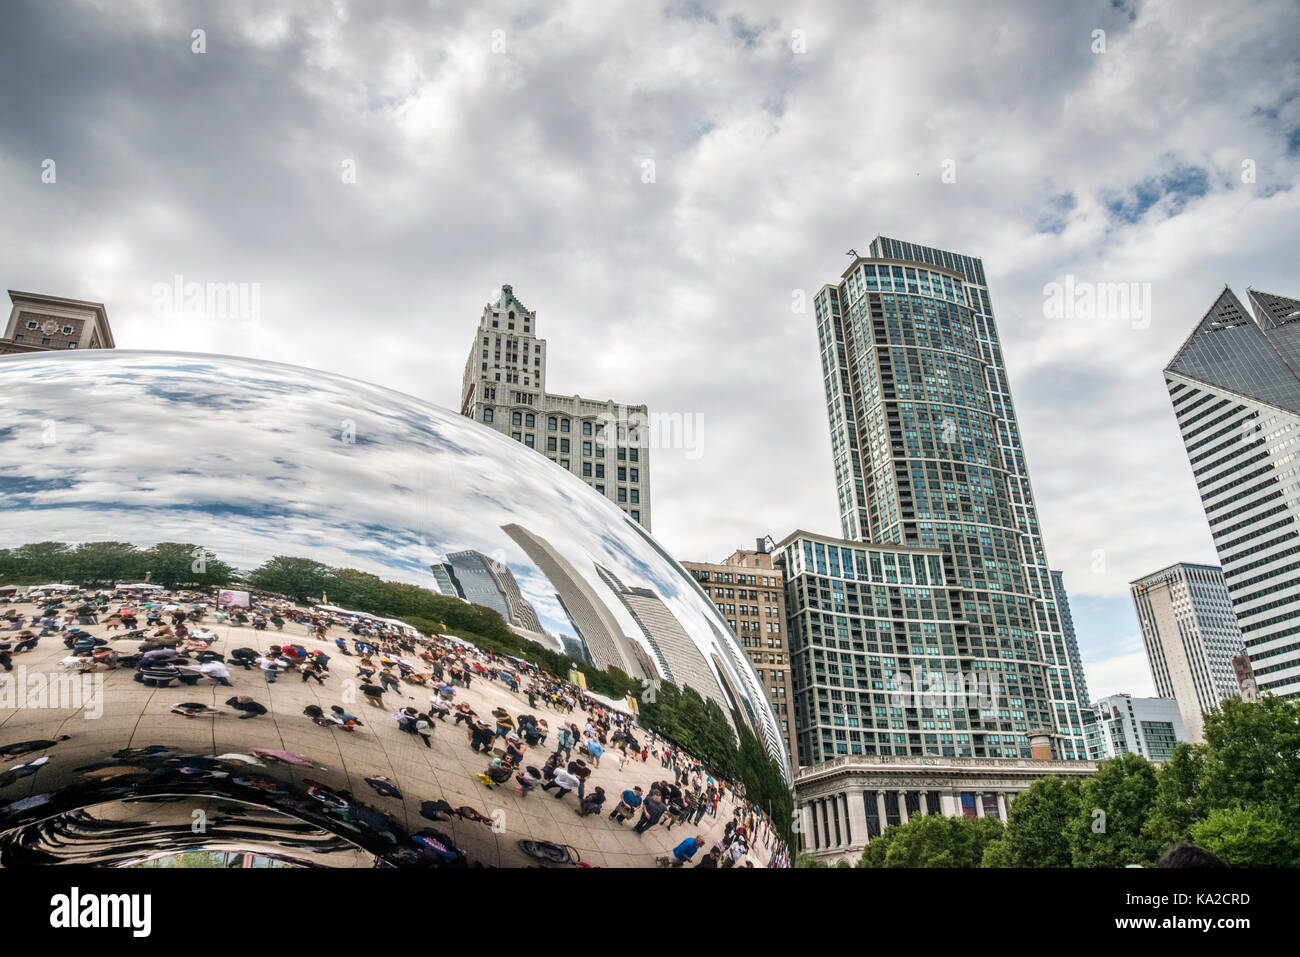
(661,182)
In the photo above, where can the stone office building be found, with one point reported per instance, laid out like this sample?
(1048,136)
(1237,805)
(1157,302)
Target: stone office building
(605,443)
(750,594)
(844,803)
(39,323)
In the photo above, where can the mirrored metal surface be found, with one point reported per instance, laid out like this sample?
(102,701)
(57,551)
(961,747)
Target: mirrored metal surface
(253,465)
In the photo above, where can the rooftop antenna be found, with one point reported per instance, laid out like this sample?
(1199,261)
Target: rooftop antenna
(853,253)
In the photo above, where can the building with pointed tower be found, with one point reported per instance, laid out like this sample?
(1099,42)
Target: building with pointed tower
(605,443)
(1235,388)
(39,323)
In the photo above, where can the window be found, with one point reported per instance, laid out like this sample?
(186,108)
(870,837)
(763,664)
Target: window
(586,448)
(564,425)
(586,470)
(551,443)
(586,428)
(552,423)
(67,330)
(72,345)
(600,471)
(600,489)
(564,463)
(564,445)
(634,454)
(622,474)
(31,325)
(516,436)
(635,475)
(517,418)
(487,415)
(622,494)
(636,515)
(636,496)
(530,440)
(530,420)
(45,342)
(18,337)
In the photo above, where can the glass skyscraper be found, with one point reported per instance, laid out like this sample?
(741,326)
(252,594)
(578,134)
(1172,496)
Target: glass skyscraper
(927,453)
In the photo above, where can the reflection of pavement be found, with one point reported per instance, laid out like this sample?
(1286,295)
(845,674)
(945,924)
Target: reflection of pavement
(134,715)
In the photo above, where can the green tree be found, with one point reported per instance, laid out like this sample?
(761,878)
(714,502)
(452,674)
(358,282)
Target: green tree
(298,578)
(1252,756)
(933,840)
(1248,837)
(41,563)
(1179,802)
(108,562)
(999,854)
(1108,829)
(1038,825)
(175,564)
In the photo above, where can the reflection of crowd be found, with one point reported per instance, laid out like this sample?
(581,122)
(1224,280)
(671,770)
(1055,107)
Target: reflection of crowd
(571,733)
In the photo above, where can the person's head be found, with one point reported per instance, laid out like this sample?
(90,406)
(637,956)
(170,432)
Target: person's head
(1188,855)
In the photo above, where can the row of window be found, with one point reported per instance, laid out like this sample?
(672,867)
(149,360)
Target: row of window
(44,342)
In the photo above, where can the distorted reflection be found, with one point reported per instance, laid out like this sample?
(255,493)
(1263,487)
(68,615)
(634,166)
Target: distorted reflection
(402,636)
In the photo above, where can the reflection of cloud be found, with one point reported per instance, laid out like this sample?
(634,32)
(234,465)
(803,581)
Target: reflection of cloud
(253,460)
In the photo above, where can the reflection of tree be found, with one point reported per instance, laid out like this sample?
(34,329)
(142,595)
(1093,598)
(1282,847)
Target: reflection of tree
(173,564)
(103,563)
(296,578)
(699,726)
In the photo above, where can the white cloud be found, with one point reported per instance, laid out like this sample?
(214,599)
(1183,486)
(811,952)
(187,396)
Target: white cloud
(478,167)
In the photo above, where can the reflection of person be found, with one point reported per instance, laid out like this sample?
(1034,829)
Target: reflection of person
(627,807)
(10,751)
(687,848)
(193,709)
(651,812)
(247,705)
(527,781)
(564,781)
(592,803)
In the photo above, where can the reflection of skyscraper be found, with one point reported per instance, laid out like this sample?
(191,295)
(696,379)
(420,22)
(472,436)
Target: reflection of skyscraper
(682,663)
(485,581)
(595,623)
(445,580)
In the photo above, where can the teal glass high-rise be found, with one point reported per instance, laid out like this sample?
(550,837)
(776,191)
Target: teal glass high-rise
(927,453)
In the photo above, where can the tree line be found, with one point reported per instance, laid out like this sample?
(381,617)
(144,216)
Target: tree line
(679,715)
(1236,795)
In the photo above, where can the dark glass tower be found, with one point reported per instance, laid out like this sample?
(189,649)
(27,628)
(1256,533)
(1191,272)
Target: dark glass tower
(927,453)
